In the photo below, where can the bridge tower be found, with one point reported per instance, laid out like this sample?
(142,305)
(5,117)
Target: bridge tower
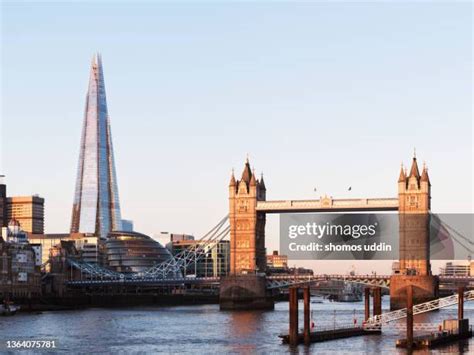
(247,227)
(245,287)
(414,199)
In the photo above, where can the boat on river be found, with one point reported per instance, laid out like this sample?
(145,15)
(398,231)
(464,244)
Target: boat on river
(8,309)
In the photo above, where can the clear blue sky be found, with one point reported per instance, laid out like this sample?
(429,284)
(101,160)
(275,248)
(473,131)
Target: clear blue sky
(319,94)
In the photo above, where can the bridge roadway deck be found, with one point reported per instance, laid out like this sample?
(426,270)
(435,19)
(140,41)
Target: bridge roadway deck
(375,280)
(210,281)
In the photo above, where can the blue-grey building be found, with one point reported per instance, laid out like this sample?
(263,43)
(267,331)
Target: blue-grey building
(96,207)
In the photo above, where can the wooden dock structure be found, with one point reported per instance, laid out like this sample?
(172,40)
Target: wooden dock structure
(434,340)
(294,337)
(330,334)
(451,331)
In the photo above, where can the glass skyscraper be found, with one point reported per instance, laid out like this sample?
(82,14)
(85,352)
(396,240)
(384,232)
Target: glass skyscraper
(96,207)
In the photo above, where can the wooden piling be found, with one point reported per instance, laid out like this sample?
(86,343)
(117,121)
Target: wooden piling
(307,327)
(293,333)
(461,303)
(409,316)
(377,301)
(367,303)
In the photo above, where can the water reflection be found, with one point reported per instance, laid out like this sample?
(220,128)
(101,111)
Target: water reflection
(245,327)
(197,329)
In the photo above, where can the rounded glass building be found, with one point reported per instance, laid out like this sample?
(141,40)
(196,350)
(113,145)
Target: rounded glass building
(128,252)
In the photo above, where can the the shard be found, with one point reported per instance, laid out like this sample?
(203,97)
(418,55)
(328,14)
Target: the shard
(96,207)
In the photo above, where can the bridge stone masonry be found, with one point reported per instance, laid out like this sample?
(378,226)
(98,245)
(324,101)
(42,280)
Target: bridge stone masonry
(243,288)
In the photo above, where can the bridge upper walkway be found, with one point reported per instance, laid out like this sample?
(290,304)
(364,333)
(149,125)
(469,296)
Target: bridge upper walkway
(328,204)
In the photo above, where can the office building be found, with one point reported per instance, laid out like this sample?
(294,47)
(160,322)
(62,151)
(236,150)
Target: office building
(128,252)
(458,269)
(214,261)
(3,203)
(87,245)
(127,225)
(20,276)
(276,260)
(28,211)
(96,207)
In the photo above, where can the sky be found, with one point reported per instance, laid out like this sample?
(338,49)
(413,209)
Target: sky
(320,95)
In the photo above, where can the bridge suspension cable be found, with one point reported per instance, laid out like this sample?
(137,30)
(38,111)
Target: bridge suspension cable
(93,270)
(455,233)
(168,269)
(190,255)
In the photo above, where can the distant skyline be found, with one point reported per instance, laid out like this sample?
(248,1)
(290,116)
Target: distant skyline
(321,95)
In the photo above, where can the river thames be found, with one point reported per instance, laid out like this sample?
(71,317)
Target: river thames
(205,329)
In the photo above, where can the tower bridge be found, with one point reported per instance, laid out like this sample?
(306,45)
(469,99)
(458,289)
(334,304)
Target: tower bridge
(248,207)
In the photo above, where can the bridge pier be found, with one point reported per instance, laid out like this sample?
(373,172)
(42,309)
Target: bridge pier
(425,288)
(245,292)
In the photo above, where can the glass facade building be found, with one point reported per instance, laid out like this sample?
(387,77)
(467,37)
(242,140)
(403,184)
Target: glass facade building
(96,207)
(214,263)
(134,252)
(29,211)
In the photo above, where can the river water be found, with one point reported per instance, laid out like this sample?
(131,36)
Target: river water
(205,329)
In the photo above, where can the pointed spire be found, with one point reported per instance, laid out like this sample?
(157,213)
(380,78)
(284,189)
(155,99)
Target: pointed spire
(94,61)
(424,174)
(253,181)
(93,72)
(96,74)
(232,179)
(414,169)
(402,177)
(247,173)
(262,183)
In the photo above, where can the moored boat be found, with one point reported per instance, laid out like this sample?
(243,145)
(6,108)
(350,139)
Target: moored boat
(8,309)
